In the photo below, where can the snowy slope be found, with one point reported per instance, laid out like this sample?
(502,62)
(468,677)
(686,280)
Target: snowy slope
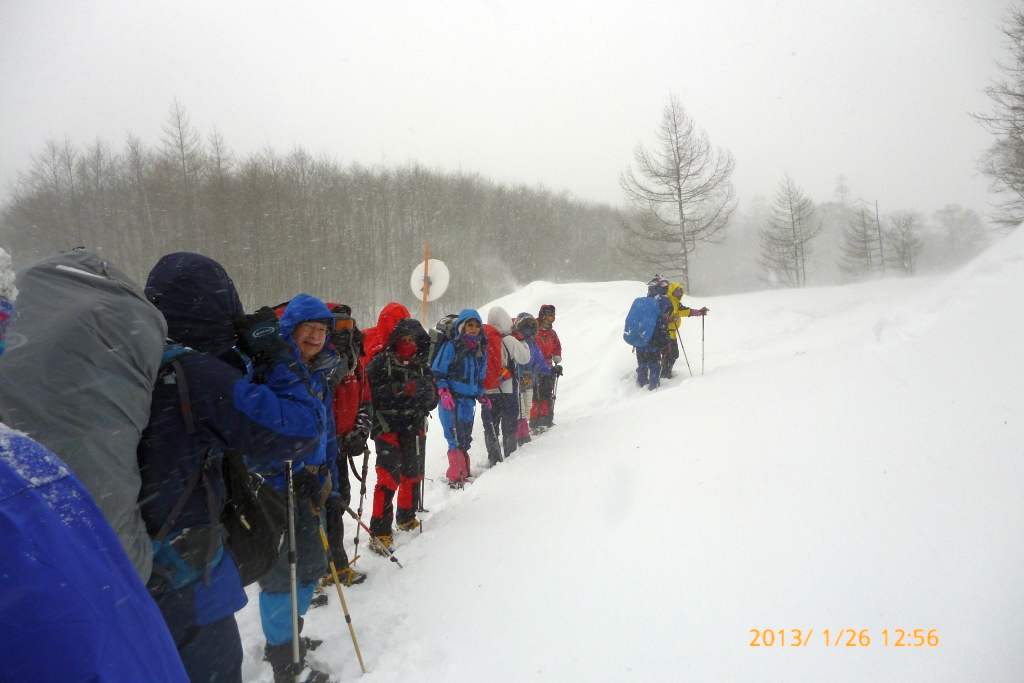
(851,459)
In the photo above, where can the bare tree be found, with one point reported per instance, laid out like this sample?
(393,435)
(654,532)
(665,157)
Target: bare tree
(1004,161)
(681,191)
(904,241)
(785,238)
(962,235)
(861,248)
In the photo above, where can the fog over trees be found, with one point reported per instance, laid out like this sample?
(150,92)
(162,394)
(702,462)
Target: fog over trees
(288,223)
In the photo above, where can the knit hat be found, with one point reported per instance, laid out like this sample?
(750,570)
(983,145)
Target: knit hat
(8,293)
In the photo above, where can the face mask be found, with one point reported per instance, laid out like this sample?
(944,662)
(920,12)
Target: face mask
(405,349)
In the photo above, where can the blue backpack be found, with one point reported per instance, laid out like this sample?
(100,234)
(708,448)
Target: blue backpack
(641,321)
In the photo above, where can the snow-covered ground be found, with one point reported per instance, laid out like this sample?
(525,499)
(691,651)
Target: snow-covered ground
(850,458)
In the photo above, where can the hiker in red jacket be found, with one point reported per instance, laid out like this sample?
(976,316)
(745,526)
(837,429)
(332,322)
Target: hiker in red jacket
(543,412)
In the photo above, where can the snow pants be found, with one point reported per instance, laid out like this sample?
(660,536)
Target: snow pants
(669,358)
(500,422)
(211,652)
(458,427)
(542,412)
(275,587)
(648,366)
(399,469)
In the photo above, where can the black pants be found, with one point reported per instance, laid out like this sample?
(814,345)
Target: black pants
(670,357)
(500,423)
(543,403)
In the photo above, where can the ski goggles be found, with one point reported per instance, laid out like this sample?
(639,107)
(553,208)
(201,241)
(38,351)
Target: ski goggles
(343,324)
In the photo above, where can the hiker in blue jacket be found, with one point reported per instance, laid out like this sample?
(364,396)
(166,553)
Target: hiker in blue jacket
(459,370)
(269,421)
(648,358)
(305,324)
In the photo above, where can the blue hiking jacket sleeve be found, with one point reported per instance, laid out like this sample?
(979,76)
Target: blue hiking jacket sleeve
(73,607)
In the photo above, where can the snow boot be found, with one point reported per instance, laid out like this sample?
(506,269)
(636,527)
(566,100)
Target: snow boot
(347,576)
(411,525)
(280,659)
(379,544)
(523,431)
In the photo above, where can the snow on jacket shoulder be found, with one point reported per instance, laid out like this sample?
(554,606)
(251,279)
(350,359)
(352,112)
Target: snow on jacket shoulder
(74,608)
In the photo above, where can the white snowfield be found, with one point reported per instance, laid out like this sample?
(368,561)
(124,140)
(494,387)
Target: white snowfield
(850,458)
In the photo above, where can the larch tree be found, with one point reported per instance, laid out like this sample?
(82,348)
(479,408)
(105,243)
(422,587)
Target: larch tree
(682,194)
(861,248)
(790,226)
(1004,161)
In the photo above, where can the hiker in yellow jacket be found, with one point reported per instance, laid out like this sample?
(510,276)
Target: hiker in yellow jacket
(679,311)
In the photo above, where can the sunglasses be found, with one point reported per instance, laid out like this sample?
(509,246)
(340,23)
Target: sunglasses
(342,324)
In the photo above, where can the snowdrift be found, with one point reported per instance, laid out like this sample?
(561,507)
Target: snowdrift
(850,458)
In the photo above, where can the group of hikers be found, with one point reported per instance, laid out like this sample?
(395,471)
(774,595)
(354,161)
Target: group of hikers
(652,329)
(127,413)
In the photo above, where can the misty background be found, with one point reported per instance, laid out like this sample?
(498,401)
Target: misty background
(316,148)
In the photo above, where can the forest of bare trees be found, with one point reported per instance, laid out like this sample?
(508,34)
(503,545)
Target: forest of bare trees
(288,223)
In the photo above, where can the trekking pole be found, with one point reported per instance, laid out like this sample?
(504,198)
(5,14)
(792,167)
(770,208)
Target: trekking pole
(387,551)
(362,495)
(421,453)
(337,583)
(680,342)
(702,344)
(292,557)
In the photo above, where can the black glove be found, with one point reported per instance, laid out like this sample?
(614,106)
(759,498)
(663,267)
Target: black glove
(352,443)
(307,486)
(704,311)
(259,334)
(557,371)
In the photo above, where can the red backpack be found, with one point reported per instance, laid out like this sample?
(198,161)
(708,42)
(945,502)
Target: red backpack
(493,377)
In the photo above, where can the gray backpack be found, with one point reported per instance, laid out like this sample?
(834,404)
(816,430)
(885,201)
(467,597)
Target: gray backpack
(84,349)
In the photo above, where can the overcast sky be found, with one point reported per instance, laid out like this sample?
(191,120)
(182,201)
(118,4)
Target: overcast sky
(531,91)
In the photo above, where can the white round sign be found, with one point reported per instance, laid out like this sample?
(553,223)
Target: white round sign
(438,280)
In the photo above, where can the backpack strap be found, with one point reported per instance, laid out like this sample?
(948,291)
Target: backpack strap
(171,354)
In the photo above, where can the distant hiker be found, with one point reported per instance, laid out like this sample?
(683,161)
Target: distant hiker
(403,391)
(501,419)
(195,582)
(352,415)
(679,311)
(648,357)
(305,324)
(8,293)
(524,329)
(73,607)
(542,413)
(459,369)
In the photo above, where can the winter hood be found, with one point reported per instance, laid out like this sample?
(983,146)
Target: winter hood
(410,327)
(300,309)
(198,300)
(673,287)
(499,319)
(467,314)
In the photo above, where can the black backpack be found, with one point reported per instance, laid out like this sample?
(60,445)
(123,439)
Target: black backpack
(443,331)
(254,519)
